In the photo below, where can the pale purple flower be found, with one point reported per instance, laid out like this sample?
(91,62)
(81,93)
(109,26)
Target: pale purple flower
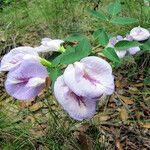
(16,56)
(26,81)
(132,50)
(113,41)
(139,34)
(91,77)
(49,45)
(77,107)
(122,53)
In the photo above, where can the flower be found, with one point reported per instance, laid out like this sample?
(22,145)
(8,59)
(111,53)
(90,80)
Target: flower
(78,107)
(122,53)
(132,50)
(139,34)
(16,56)
(26,81)
(113,41)
(49,45)
(82,84)
(91,77)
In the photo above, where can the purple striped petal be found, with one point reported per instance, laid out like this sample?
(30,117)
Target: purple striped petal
(76,106)
(94,79)
(18,79)
(15,57)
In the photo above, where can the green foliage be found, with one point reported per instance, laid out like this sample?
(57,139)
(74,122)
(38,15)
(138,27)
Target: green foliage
(146,45)
(111,54)
(54,74)
(114,8)
(13,135)
(98,14)
(123,20)
(102,37)
(123,45)
(73,54)
(74,37)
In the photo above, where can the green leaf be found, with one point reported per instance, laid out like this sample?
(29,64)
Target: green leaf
(123,20)
(98,14)
(146,45)
(74,37)
(54,74)
(84,48)
(123,45)
(147,80)
(102,37)
(68,57)
(73,54)
(69,51)
(114,8)
(111,54)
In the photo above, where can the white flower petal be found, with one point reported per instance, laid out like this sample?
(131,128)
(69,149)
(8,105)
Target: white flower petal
(45,40)
(121,53)
(139,34)
(133,50)
(35,82)
(49,45)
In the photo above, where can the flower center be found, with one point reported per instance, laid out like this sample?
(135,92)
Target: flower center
(78,99)
(89,78)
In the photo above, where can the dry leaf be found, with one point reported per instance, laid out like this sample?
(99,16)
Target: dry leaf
(118,83)
(83,128)
(133,90)
(126,100)
(30,119)
(36,106)
(100,118)
(147,125)
(118,144)
(48,82)
(37,134)
(24,104)
(139,85)
(123,114)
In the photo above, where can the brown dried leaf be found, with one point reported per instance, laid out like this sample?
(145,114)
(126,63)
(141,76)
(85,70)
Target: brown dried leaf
(121,82)
(24,104)
(139,85)
(100,118)
(147,125)
(123,114)
(30,119)
(36,106)
(133,90)
(126,100)
(118,144)
(83,128)
(118,83)
(48,82)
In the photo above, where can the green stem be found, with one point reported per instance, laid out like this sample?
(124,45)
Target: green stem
(45,62)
